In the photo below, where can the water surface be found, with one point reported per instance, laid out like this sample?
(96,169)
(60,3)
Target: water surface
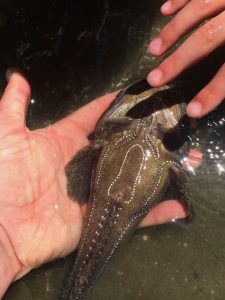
(75,51)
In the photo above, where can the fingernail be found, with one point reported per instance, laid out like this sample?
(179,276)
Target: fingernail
(8,74)
(155,46)
(166,6)
(194,109)
(155,77)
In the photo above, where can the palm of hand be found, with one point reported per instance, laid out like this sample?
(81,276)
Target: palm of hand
(40,220)
(43,217)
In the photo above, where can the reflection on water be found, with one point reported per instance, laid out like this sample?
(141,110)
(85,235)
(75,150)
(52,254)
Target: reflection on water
(73,52)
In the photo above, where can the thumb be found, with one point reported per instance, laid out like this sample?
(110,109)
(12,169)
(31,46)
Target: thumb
(14,101)
(86,117)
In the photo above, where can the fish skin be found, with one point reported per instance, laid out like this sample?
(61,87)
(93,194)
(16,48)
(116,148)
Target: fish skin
(130,176)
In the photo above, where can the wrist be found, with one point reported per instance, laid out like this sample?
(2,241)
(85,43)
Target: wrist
(9,264)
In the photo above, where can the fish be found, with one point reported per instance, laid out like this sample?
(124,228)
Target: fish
(132,160)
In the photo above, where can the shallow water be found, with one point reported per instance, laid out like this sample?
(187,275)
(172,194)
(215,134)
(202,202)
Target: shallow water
(87,50)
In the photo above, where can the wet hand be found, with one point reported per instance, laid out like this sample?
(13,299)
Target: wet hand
(36,216)
(209,36)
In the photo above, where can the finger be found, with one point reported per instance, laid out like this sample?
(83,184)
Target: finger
(165,212)
(193,161)
(162,213)
(192,14)
(14,102)
(172,6)
(209,97)
(87,116)
(203,41)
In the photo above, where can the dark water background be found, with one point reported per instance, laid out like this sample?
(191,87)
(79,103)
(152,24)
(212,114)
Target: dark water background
(74,51)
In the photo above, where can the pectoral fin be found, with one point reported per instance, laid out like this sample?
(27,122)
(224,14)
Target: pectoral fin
(179,180)
(78,173)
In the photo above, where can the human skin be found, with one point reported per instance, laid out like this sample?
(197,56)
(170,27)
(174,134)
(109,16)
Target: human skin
(188,14)
(38,221)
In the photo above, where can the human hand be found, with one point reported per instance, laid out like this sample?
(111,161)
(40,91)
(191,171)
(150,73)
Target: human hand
(36,215)
(38,221)
(209,36)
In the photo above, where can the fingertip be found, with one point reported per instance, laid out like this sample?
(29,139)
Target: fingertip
(11,72)
(155,46)
(165,212)
(16,96)
(155,77)
(18,80)
(166,8)
(171,7)
(8,74)
(195,109)
(195,158)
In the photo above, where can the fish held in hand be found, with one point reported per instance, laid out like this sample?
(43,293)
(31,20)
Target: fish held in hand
(132,159)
